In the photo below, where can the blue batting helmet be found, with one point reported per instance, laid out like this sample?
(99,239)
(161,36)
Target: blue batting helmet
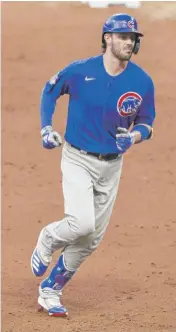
(122,23)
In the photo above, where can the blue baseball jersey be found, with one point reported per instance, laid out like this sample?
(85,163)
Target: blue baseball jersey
(99,102)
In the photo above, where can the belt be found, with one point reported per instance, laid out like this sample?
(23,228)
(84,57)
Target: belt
(106,157)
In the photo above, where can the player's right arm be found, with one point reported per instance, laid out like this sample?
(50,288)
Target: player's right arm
(57,86)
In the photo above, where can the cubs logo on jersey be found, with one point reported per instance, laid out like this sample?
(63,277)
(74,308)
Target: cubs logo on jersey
(129,103)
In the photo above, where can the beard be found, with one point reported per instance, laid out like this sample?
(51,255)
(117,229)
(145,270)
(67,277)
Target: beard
(119,54)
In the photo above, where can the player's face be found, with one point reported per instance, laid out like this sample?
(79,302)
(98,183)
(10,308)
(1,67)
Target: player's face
(122,44)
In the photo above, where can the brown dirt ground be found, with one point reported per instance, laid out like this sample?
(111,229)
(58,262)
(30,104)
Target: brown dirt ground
(129,283)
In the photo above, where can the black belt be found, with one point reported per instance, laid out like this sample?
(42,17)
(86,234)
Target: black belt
(106,157)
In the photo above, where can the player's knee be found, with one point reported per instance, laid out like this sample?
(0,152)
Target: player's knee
(87,229)
(82,226)
(87,225)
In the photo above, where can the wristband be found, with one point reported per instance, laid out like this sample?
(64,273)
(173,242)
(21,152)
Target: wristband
(144,131)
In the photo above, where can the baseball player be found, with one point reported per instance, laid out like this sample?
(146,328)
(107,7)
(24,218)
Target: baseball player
(111,107)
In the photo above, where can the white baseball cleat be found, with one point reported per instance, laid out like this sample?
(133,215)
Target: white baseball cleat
(39,263)
(49,301)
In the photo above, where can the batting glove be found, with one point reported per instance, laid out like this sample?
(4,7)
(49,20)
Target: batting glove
(50,138)
(124,139)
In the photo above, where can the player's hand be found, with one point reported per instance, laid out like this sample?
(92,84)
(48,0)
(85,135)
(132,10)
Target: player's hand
(124,139)
(50,138)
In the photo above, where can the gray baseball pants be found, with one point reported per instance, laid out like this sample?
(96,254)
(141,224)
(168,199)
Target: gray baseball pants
(90,188)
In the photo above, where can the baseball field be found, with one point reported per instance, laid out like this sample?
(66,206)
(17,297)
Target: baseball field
(129,283)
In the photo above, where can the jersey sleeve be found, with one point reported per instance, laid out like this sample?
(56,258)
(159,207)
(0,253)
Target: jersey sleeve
(146,114)
(57,86)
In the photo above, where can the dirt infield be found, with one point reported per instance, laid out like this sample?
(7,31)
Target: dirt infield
(129,283)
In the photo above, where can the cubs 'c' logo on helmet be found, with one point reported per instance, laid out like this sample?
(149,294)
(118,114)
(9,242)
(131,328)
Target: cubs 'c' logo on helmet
(128,104)
(131,24)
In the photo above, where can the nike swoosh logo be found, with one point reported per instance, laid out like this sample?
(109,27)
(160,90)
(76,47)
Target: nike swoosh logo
(89,78)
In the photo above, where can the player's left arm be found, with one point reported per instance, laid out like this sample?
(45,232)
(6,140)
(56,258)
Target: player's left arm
(143,124)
